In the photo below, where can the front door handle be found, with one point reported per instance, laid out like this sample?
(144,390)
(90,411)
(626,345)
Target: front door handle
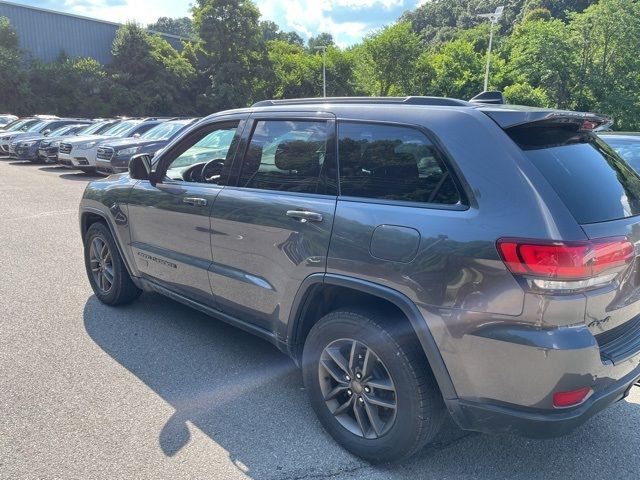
(195,201)
(305,216)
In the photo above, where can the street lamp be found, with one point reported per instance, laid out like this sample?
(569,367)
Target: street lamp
(323,49)
(493,18)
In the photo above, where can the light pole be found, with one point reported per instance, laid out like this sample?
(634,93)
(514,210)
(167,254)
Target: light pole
(323,49)
(493,18)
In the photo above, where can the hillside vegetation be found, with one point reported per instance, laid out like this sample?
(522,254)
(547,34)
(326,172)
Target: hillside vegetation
(577,54)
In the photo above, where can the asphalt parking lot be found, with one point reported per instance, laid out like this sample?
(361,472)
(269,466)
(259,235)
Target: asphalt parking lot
(156,390)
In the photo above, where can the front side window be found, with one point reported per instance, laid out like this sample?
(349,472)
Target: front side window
(389,162)
(287,155)
(203,157)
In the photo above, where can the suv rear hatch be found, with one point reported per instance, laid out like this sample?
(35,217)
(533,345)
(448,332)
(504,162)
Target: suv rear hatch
(602,192)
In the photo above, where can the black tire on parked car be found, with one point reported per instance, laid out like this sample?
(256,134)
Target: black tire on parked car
(107,272)
(370,384)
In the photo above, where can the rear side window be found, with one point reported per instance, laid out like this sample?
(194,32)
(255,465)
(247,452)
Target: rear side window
(289,156)
(391,162)
(593,181)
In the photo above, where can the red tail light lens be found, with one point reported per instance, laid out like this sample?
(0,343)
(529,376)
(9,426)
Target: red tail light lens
(570,399)
(565,260)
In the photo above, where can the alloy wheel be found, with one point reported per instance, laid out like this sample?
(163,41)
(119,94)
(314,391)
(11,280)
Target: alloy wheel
(101,264)
(357,388)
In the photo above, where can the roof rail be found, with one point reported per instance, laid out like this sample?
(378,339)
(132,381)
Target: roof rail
(433,101)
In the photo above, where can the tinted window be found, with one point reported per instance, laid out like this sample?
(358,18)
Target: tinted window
(392,163)
(288,156)
(594,182)
(628,149)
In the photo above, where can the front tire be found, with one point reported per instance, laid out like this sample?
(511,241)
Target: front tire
(370,385)
(107,272)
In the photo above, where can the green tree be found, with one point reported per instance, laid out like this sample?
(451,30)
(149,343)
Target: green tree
(14,94)
(233,63)
(607,39)
(322,39)
(525,94)
(150,76)
(541,54)
(271,31)
(458,70)
(174,26)
(387,60)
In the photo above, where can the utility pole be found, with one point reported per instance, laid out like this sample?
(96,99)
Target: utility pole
(323,49)
(494,18)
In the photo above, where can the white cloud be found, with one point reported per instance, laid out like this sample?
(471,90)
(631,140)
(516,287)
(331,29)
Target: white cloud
(347,20)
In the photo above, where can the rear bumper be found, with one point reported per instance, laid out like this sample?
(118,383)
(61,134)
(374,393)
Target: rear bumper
(488,418)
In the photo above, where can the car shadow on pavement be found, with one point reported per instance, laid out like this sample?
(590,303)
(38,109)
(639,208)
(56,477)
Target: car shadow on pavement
(81,176)
(248,398)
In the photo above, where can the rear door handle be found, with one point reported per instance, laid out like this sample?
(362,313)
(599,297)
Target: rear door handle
(305,216)
(195,201)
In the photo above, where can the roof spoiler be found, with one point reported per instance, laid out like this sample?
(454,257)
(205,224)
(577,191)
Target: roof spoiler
(489,98)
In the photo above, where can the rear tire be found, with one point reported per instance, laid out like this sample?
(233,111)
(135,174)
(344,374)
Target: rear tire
(386,434)
(107,272)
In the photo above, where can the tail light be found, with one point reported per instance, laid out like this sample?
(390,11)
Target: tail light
(567,265)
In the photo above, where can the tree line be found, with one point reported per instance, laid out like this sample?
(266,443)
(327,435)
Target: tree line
(574,54)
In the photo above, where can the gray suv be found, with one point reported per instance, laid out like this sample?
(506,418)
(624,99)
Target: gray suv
(418,257)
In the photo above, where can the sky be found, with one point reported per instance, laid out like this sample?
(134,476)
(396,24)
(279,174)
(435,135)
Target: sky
(347,20)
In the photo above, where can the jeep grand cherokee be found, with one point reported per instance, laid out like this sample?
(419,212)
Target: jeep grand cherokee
(416,256)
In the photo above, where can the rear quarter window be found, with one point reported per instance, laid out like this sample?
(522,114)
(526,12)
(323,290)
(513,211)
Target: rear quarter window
(595,183)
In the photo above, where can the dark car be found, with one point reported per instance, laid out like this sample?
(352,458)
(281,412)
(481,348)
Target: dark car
(42,128)
(29,148)
(417,257)
(113,156)
(48,148)
(627,144)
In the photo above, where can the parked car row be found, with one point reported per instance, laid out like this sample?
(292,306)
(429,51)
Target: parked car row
(102,145)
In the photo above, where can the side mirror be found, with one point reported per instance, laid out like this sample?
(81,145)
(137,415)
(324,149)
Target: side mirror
(136,135)
(46,132)
(140,167)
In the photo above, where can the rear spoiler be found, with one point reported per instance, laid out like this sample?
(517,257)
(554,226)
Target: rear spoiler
(509,116)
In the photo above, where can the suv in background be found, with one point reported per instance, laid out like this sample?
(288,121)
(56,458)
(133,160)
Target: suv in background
(48,148)
(27,149)
(80,153)
(416,256)
(6,119)
(113,156)
(42,128)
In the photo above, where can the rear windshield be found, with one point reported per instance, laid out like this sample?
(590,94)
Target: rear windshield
(594,182)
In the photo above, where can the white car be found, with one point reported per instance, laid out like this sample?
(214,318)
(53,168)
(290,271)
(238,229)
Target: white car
(80,153)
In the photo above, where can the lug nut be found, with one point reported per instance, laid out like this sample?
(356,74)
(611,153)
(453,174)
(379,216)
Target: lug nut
(361,400)
(347,378)
(349,392)
(358,375)
(367,389)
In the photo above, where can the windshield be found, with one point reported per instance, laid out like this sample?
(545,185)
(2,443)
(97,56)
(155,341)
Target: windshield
(95,128)
(120,128)
(15,125)
(8,120)
(36,127)
(68,129)
(164,131)
(594,182)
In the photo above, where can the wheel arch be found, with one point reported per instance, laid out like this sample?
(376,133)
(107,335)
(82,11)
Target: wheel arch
(316,297)
(89,216)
